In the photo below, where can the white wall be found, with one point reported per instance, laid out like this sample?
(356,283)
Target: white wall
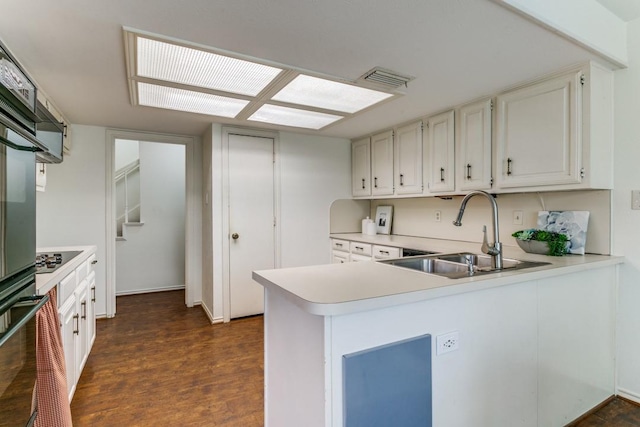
(152,257)
(313,172)
(626,222)
(416,216)
(127,151)
(71,211)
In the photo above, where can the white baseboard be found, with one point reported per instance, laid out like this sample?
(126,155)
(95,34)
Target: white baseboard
(212,319)
(149,290)
(629,395)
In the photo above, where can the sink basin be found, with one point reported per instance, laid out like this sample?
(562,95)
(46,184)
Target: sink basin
(482,261)
(432,265)
(456,265)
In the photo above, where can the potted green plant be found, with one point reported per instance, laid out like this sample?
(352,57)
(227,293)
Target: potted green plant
(542,242)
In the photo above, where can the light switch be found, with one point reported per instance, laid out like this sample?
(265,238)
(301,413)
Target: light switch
(635,199)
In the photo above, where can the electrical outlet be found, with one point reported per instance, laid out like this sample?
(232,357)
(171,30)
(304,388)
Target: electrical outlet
(635,199)
(438,216)
(517,217)
(447,342)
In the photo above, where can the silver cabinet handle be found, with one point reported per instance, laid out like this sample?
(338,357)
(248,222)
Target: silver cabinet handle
(509,161)
(76,320)
(84,310)
(469,171)
(93,294)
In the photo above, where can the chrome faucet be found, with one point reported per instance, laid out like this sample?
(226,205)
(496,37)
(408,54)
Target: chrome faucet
(494,250)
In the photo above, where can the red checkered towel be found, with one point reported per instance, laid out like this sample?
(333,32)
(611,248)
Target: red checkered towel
(52,397)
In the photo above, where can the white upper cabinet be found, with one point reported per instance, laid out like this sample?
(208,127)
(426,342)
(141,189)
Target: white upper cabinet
(382,163)
(361,167)
(439,150)
(473,146)
(557,132)
(408,159)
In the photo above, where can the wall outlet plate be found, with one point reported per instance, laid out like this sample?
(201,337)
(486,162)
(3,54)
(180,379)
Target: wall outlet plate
(517,217)
(438,216)
(448,342)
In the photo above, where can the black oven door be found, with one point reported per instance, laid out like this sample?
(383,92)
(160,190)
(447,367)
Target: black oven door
(18,354)
(17,205)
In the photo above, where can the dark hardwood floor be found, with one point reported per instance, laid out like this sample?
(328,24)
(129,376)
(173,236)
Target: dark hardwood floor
(158,363)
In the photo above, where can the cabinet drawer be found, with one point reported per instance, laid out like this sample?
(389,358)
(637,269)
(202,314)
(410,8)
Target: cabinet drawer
(382,252)
(91,262)
(340,245)
(339,257)
(358,258)
(360,248)
(81,271)
(66,288)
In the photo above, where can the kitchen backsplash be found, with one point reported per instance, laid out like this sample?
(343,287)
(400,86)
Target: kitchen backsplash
(417,216)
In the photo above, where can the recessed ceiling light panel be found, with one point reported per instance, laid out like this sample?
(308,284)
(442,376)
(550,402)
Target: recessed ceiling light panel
(286,116)
(179,64)
(187,100)
(330,95)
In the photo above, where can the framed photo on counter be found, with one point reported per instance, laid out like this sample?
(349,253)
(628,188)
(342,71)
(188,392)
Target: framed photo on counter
(384,217)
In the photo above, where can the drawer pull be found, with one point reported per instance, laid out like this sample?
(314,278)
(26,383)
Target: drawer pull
(384,252)
(359,248)
(94,262)
(339,244)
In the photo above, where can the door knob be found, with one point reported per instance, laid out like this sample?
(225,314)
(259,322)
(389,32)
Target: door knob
(235,236)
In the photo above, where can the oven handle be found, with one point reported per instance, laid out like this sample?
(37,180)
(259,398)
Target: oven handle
(16,326)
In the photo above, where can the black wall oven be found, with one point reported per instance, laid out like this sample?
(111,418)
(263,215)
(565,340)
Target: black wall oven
(19,303)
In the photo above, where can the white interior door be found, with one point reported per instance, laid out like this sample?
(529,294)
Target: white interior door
(251,220)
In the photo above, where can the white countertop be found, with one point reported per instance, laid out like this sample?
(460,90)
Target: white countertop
(46,281)
(337,289)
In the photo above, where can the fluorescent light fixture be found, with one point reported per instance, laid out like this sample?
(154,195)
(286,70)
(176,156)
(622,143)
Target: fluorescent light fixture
(330,95)
(286,116)
(194,67)
(186,100)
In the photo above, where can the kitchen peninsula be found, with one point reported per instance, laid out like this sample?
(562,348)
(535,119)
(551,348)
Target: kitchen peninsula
(536,346)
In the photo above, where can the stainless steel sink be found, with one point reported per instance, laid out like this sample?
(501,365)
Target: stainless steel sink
(459,265)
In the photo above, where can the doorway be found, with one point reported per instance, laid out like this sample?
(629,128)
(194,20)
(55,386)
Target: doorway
(250,213)
(150,216)
(193,205)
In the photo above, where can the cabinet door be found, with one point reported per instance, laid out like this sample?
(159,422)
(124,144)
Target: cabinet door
(91,311)
(382,163)
(440,159)
(69,329)
(361,167)
(473,146)
(408,159)
(82,309)
(538,134)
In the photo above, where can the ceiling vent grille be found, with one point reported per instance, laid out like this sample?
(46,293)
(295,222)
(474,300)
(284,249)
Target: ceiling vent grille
(385,78)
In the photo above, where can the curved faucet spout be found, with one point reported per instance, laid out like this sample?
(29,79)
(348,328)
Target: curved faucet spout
(494,250)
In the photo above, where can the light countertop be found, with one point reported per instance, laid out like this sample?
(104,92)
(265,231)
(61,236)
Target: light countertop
(336,289)
(46,281)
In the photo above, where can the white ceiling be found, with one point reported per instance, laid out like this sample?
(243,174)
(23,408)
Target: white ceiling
(458,50)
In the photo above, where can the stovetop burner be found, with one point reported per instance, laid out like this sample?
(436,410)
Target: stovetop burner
(50,262)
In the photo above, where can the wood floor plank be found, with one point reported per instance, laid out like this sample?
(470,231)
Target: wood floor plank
(158,363)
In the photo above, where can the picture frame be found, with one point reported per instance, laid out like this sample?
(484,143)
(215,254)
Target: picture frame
(384,218)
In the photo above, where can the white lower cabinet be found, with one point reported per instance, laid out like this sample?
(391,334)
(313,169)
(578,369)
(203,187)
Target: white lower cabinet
(350,251)
(77,320)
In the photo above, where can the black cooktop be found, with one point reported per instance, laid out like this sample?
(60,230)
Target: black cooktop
(48,262)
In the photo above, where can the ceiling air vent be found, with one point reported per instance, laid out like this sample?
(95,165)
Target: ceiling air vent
(386,79)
